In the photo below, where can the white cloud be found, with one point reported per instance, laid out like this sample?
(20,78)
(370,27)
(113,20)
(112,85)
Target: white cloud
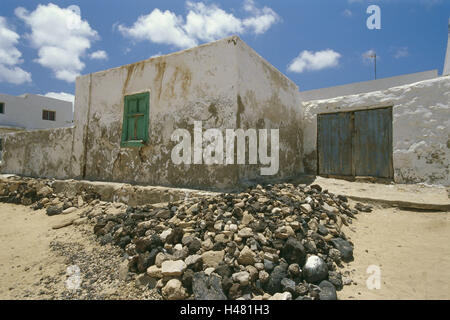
(156,55)
(10,56)
(61,96)
(402,52)
(368,56)
(61,38)
(14,75)
(347,13)
(313,61)
(431,3)
(159,27)
(209,22)
(368,53)
(261,19)
(99,55)
(203,22)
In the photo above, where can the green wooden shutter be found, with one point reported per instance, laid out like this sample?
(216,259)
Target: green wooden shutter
(135,120)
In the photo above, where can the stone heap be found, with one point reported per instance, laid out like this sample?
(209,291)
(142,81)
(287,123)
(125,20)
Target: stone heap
(40,194)
(278,242)
(274,242)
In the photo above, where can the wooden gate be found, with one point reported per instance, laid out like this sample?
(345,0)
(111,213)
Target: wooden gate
(357,143)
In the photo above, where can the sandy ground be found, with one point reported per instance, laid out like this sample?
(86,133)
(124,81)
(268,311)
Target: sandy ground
(411,248)
(25,255)
(34,260)
(423,196)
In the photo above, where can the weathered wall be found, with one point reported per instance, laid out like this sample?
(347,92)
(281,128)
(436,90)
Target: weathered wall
(267,99)
(7,129)
(446,70)
(192,85)
(38,153)
(224,84)
(421,122)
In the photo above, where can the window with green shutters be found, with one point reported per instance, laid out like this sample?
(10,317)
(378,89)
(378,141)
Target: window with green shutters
(135,120)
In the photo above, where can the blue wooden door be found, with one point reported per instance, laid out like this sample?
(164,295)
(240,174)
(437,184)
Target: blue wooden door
(357,143)
(335,143)
(372,147)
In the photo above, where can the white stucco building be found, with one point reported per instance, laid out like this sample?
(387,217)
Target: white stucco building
(125,117)
(394,129)
(447,56)
(31,111)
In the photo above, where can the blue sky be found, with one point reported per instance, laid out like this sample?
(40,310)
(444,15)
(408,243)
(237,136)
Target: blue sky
(317,43)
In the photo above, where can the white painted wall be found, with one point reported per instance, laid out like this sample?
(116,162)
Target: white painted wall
(183,86)
(366,86)
(199,84)
(38,153)
(421,128)
(205,83)
(26,112)
(270,100)
(447,56)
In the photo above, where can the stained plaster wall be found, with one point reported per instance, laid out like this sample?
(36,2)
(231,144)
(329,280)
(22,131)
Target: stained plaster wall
(199,84)
(267,99)
(195,84)
(421,122)
(228,86)
(38,153)
(446,70)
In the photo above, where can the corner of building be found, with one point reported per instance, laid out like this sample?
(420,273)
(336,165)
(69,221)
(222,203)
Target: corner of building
(446,70)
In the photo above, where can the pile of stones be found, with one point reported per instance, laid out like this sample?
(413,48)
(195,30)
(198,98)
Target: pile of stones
(280,241)
(275,242)
(39,193)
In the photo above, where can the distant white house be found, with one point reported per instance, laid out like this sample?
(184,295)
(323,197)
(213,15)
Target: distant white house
(31,111)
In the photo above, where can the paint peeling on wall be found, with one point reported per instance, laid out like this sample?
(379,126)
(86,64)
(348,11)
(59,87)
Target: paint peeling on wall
(421,127)
(269,100)
(38,153)
(201,84)
(225,85)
